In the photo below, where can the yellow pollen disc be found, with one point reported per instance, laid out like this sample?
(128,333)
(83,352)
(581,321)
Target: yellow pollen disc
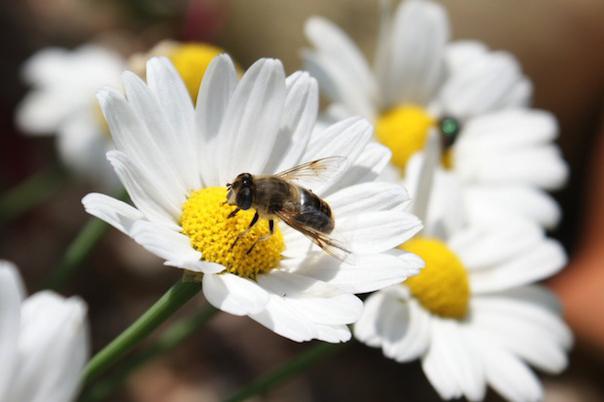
(205,221)
(404,130)
(191,61)
(442,287)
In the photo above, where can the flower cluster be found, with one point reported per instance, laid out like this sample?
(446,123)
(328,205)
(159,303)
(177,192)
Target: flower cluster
(424,181)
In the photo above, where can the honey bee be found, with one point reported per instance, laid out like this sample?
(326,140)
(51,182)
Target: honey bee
(276,197)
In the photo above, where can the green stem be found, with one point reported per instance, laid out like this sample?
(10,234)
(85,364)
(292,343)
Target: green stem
(286,371)
(172,300)
(77,252)
(171,338)
(30,193)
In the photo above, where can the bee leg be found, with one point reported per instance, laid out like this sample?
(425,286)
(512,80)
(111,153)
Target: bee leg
(271,228)
(233,213)
(251,225)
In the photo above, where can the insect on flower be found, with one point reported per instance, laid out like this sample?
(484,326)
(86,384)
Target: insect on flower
(277,197)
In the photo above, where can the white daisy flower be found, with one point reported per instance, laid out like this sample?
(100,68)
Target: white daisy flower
(43,342)
(175,159)
(473,315)
(62,100)
(420,82)
(62,103)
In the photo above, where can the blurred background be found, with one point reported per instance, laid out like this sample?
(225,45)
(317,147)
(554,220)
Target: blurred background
(561,47)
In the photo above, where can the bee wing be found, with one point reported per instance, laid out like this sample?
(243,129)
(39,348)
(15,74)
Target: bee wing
(326,242)
(319,170)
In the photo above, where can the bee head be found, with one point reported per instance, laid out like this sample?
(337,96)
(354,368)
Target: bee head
(241,191)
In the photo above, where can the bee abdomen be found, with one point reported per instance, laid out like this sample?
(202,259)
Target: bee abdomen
(315,212)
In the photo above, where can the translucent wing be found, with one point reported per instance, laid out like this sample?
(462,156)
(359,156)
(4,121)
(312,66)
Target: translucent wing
(319,170)
(323,240)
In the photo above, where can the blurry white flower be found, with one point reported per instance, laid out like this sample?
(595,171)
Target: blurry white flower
(419,82)
(43,342)
(473,315)
(174,159)
(61,102)
(62,99)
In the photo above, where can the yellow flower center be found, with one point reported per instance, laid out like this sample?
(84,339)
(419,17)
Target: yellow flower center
(404,129)
(442,287)
(205,221)
(191,61)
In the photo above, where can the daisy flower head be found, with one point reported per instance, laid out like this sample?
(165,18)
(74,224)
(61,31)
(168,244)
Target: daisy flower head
(62,100)
(476,99)
(175,159)
(43,342)
(474,315)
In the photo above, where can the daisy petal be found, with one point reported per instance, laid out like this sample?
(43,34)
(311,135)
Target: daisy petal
(117,213)
(372,196)
(365,328)
(233,294)
(299,117)
(176,105)
(11,296)
(285,321)
(249,128)
(335,44)
(415,338)
(338,84)
(146,195)
(507,374)
(367,168)
(420,32)
(369,273)
(539,263)
(172,246)
(53,348)
(215,92)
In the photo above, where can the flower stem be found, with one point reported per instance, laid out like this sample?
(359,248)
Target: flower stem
(171,338)
(30,192)
(77,252)
(172,300)
(286,371)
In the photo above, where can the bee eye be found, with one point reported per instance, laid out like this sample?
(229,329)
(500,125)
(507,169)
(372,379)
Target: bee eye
(228,185)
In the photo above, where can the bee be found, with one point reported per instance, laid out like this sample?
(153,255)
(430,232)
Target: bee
(278,197)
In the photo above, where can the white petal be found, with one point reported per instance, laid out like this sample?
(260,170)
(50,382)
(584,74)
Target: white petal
(481,86)
(11,296)
(539,263)
(415,69)
(319,302)
(337,84)
(482,247)
(131,136)
(500,203)
(147,195)
(82,146)
(335,44)
(367,168)
(53,348)
(376,231)
(347,138)
(333,333)
(215,93)
(117,213)
(508,129)
(415,338)
(233,294)
(507,374)
(369,273)
(299,116)
(458,359)
(172,246)
(252,120)
(282,319)
(436,368)
(372,196)
(176,105)
(365,328)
